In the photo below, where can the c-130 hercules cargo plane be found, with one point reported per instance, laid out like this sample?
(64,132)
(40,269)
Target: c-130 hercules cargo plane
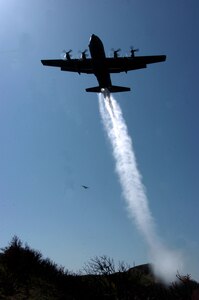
(101,66)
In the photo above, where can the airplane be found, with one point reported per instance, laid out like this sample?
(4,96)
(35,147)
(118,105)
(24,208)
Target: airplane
(102,66)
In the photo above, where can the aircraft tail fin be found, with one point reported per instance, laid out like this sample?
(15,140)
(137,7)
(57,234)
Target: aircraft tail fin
(111,89)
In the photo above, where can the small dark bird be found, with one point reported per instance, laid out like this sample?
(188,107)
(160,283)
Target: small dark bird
(85,187)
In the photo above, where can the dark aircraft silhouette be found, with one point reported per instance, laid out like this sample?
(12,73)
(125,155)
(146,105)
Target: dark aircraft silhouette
(85,187)
(101,66)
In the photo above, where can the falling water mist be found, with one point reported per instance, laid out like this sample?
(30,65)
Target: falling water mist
(165,262)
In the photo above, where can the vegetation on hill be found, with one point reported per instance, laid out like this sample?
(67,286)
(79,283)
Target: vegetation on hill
(25,274)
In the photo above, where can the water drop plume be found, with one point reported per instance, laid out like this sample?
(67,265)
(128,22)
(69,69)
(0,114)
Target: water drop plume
(165,262)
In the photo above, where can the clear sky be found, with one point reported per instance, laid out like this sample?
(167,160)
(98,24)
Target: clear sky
(52,140)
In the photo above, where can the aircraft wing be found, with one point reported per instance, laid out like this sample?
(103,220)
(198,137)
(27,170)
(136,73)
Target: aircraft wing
(112,65)
(125,64)
(71,65)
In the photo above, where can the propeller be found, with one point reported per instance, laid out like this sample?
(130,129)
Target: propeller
(133,51)
(66,54)
(84,54)
(115,52)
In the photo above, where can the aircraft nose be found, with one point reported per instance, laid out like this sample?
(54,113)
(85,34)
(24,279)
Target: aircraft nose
(92,37)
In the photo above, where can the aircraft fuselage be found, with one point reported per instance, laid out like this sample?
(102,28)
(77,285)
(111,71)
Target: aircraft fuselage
(98,55)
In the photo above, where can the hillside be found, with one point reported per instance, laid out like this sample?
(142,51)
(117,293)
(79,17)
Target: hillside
(25,274)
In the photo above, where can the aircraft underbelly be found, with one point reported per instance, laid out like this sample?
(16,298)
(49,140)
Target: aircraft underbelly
(103,78)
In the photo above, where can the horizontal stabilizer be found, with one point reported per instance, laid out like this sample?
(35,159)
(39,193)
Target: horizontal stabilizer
(118,89)
(111,89)
(96,89)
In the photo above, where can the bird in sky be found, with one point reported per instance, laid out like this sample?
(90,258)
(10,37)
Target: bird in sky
(85,187)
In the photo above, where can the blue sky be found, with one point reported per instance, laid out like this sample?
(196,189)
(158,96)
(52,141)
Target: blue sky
(52,139)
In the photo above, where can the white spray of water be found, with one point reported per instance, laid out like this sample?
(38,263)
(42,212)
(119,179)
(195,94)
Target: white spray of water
(165,262)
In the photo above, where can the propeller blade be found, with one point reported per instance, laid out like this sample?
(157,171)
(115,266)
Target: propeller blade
(115,52)
(66,54)
(84,54)
(132,50)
